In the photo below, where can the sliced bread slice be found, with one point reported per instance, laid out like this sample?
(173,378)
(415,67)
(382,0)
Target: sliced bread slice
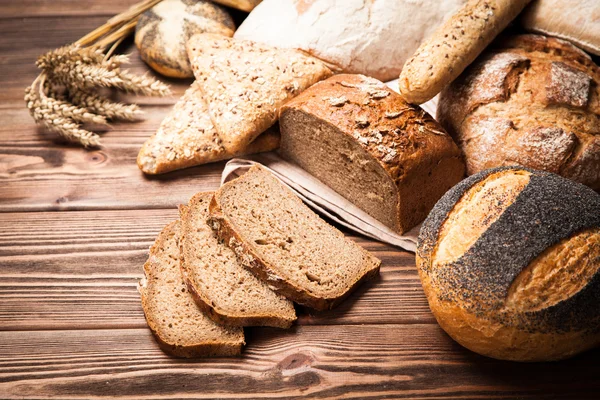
(221,286)
(245,83)
(286,244)
(187,137)
(179,326)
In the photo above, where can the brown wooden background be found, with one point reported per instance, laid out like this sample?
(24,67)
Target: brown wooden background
(75,227)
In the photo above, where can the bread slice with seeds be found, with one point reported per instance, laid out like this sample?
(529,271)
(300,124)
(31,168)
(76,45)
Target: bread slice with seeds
(221,286)
(187,137)
(179,326)
(286,244)
(245,83)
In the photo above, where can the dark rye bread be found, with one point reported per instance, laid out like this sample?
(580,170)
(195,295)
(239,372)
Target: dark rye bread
(179,326)
(221,286)
(533,269)
(287,245)
(389,158)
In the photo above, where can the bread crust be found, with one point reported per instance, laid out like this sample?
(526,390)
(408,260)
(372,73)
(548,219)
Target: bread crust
(162,31)
(453,46)
(226,230)
(204,349)
(406,142)
(204,303)
(471,295)
(579,25)
(531,101)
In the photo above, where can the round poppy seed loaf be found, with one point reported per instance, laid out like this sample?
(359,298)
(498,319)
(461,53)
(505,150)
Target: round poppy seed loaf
(509,262)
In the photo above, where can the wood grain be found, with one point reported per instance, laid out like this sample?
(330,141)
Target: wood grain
(350,361)
(85,266)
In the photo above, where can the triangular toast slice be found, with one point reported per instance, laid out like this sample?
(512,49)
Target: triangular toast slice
(221,286)
(245,83)
(187,137)
(179,326)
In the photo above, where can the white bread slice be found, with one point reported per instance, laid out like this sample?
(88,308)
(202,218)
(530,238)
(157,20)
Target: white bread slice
(187,137)
(286,244)
(179,326)
(221,286)
(245,83)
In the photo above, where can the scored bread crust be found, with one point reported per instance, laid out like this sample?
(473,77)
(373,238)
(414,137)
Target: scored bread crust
(249,258)
(204,349)
(528,100)
(405,142)
(205,304)
(476,295)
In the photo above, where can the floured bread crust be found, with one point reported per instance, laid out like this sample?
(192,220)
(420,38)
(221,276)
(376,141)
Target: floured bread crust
(374,38)
(522,283)
(578,22)
(532,101)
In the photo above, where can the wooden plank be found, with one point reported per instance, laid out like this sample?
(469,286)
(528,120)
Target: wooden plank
(80,269)
(46,8)
(358,362)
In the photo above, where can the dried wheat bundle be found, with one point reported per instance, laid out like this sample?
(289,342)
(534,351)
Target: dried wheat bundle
(65,95)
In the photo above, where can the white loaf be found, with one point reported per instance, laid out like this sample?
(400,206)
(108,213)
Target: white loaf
(370,37)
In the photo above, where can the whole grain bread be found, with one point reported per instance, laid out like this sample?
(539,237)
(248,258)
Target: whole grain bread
(221,286)
(454,45)
(528,100)
(179,326)
(391,159)
(187,137)
(286,244)
(245,83)
(163,30)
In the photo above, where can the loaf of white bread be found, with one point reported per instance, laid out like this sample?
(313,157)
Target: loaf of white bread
(389,158)
(373,38)
(509,260)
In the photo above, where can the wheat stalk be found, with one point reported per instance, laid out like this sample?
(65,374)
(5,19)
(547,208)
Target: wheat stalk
(79,69)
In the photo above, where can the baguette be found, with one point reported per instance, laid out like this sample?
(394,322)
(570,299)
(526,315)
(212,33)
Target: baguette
(455,45)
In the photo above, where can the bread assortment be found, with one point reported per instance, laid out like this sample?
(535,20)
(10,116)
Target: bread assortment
(162,32)
(454,45)
(509,260)
(529,100)
(364,141)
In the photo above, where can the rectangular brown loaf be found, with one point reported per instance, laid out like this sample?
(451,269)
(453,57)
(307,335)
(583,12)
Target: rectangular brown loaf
(286,244)
(389,158)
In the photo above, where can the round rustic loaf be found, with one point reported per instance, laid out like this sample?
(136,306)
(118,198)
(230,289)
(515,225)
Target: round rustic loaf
(162,31)
(532,101)
(509,261)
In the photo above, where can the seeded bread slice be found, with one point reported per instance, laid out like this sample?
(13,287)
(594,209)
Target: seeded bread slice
(179,326)
(245,83)
(287,245)
(221,286)
(187,137)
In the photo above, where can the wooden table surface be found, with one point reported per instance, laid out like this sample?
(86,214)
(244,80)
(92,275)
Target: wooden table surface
(75,227)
